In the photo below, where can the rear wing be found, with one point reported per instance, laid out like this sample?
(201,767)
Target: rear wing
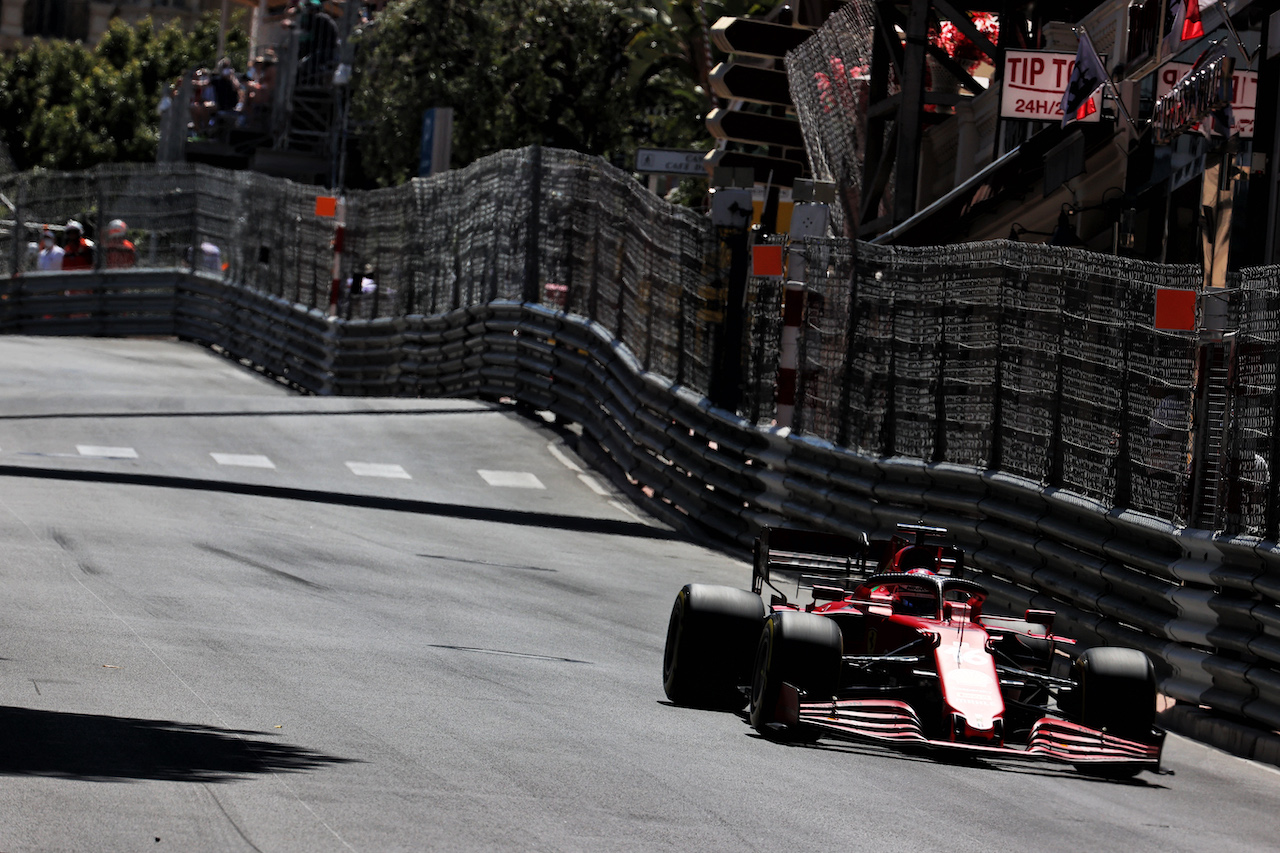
(918,546)
(812,558)
(809,556)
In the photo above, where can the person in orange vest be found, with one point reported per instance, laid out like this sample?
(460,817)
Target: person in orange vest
(120,252)
(77,251)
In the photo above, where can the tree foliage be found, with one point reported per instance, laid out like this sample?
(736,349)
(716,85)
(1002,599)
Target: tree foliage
(515,72)
(591,75)
(670,43)
(67,106)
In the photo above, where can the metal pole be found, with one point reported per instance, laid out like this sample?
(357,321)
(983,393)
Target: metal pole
(222,30)
(259,23)
(1273,444)
(339,237)
(532,242)
(19,232)
(99,226)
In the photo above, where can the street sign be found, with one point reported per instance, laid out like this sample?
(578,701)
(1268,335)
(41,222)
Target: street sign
(750,83)
(1033,83)
(753,37)
(667,161)
(765,170)
(756,128)
(758,81)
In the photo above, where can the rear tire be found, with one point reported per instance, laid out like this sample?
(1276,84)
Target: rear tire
(1116,694)
(802,649)
(710,645)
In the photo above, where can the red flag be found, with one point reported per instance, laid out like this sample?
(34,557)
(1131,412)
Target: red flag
(1192,27)
(1189,21)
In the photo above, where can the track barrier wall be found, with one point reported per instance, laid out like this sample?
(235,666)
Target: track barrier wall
(1013,394)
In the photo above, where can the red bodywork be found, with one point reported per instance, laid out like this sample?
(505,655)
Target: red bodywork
(910,623)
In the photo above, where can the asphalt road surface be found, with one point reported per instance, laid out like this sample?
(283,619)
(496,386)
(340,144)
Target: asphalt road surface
(234,618)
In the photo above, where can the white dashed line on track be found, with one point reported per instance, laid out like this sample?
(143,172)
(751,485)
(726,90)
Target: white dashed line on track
(378,469)
(511,479)
(243,460)
(621,507)
(564,459)
(106,452)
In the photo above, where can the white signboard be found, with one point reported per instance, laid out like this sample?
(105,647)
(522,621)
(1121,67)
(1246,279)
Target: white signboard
(1034,81)
(665,161)
(1244,88)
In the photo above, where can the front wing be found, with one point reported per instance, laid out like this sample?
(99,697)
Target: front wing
(894,721)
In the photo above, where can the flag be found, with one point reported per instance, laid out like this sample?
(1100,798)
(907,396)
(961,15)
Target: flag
(1087,77)
(1192,26)
(1188,20)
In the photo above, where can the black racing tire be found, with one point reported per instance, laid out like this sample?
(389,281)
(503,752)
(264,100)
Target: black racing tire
(801,649)
(710,646)
(1116,694)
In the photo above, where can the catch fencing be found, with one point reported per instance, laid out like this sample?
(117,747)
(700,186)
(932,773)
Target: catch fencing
(1035,360)
(1014,394)
(556,226)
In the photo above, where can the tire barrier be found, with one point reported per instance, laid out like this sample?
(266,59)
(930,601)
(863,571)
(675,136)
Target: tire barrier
(1206,607)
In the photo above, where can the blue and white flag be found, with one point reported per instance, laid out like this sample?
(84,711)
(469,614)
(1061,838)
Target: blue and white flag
(1087,77)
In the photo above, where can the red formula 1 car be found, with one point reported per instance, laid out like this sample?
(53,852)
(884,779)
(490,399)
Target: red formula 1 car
(895,648)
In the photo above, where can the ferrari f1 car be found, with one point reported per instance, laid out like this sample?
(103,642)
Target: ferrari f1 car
(895,647)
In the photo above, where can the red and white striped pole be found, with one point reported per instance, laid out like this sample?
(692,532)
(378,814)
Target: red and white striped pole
(339,236)
(792,318)
(808,219)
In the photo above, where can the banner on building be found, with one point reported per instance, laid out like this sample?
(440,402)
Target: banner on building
(1034,83)
(1244,88)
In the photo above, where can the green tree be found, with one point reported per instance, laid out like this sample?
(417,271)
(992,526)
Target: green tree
(516,72)
(71,107)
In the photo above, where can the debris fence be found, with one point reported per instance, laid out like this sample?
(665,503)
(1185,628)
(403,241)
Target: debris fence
(1033,360)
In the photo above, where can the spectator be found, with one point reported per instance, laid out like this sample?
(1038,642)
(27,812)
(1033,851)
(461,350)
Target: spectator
(228,96)
(120,252)
(365,285)
(77,251)
(209,258)
(259,89)
(203,102)
(317,44)
(50,257)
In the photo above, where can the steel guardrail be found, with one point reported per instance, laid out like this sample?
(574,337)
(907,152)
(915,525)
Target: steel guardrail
(1206,607)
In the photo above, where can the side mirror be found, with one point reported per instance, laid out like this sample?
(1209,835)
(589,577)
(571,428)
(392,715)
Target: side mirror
(1041,617)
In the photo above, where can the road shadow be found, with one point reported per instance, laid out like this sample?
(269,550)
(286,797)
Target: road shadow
(493,515)
(96,748)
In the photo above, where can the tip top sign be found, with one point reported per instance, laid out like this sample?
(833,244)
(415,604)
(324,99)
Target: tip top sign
(1034,81)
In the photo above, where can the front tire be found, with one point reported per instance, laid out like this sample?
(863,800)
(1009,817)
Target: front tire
(710,643)
(1117,695)
(802,649)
